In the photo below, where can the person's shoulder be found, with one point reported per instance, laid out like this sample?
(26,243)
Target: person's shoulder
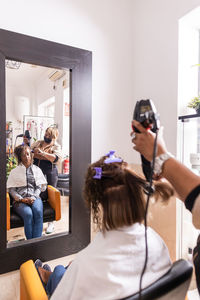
(36,144)
(36,168)
(14,173)
(56,148)
(151,231)
(56,145)
(157,247)
(154,237)
(37,171)
(18,168)
(96,245)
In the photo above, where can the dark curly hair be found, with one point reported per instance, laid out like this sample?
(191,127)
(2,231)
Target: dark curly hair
(117,199)
(19,150)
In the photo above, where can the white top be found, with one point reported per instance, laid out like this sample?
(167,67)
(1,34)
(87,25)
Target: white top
(17,177)
(111,265)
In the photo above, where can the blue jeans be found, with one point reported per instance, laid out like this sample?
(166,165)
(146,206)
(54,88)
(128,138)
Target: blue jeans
(32,216)
(54,279)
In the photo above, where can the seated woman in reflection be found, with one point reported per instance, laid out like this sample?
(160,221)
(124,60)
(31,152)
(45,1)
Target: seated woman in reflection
(25,184)
(47,153)
(110,266)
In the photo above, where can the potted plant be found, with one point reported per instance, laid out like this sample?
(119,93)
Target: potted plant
(10,164)
(195,103)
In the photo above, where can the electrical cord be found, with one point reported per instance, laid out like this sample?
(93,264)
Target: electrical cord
(146,211)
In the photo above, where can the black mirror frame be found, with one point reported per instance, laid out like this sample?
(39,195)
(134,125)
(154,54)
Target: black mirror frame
(37,51)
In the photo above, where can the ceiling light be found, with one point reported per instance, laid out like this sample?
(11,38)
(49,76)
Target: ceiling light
(12,64)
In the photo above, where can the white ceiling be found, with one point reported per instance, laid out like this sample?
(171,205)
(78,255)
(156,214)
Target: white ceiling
(28,72)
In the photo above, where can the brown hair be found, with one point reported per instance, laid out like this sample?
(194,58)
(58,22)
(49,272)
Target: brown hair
(19,150)
(117,199)
(53,132)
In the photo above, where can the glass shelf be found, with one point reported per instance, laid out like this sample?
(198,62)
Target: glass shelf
(182,118)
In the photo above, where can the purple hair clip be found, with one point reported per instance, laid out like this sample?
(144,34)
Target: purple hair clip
(98,174)
(112,158)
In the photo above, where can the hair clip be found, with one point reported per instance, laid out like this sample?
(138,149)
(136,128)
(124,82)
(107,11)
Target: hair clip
(112,158)
(98,174)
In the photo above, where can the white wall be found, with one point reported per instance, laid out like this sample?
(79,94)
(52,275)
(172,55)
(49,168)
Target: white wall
(104,27)
(15,87)
(135,55)
(155,55)
(44,89)
(189,27)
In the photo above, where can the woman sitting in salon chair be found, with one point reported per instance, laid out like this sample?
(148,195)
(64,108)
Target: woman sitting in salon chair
(111,265)
(25,184)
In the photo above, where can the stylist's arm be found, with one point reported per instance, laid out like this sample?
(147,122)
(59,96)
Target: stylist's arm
(182,179)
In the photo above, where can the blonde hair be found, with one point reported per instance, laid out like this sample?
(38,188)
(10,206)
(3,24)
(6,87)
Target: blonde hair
(117,199)
(53,132)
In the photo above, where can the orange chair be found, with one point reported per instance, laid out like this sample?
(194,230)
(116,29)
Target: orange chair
(31,287)
(171,286)
(51,209)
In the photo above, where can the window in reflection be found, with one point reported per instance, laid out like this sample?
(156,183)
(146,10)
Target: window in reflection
(37,114)
(47,108)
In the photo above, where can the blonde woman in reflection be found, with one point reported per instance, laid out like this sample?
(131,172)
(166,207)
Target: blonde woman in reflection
(47,154)
(25,184)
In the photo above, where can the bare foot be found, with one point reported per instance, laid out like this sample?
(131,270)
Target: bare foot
(44,274)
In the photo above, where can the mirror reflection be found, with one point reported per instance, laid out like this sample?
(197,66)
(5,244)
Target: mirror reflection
(37,150)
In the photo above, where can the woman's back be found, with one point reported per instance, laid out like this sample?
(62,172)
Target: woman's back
(110,267)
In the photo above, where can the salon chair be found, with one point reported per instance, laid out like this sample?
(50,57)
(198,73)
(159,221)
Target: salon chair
(51,209)
(171,286)
(63,184)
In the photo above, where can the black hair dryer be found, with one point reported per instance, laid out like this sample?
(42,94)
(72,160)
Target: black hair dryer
(146,114)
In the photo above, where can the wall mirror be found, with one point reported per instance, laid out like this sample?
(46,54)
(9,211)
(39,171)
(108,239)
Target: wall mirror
(45,84)
(37,98)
